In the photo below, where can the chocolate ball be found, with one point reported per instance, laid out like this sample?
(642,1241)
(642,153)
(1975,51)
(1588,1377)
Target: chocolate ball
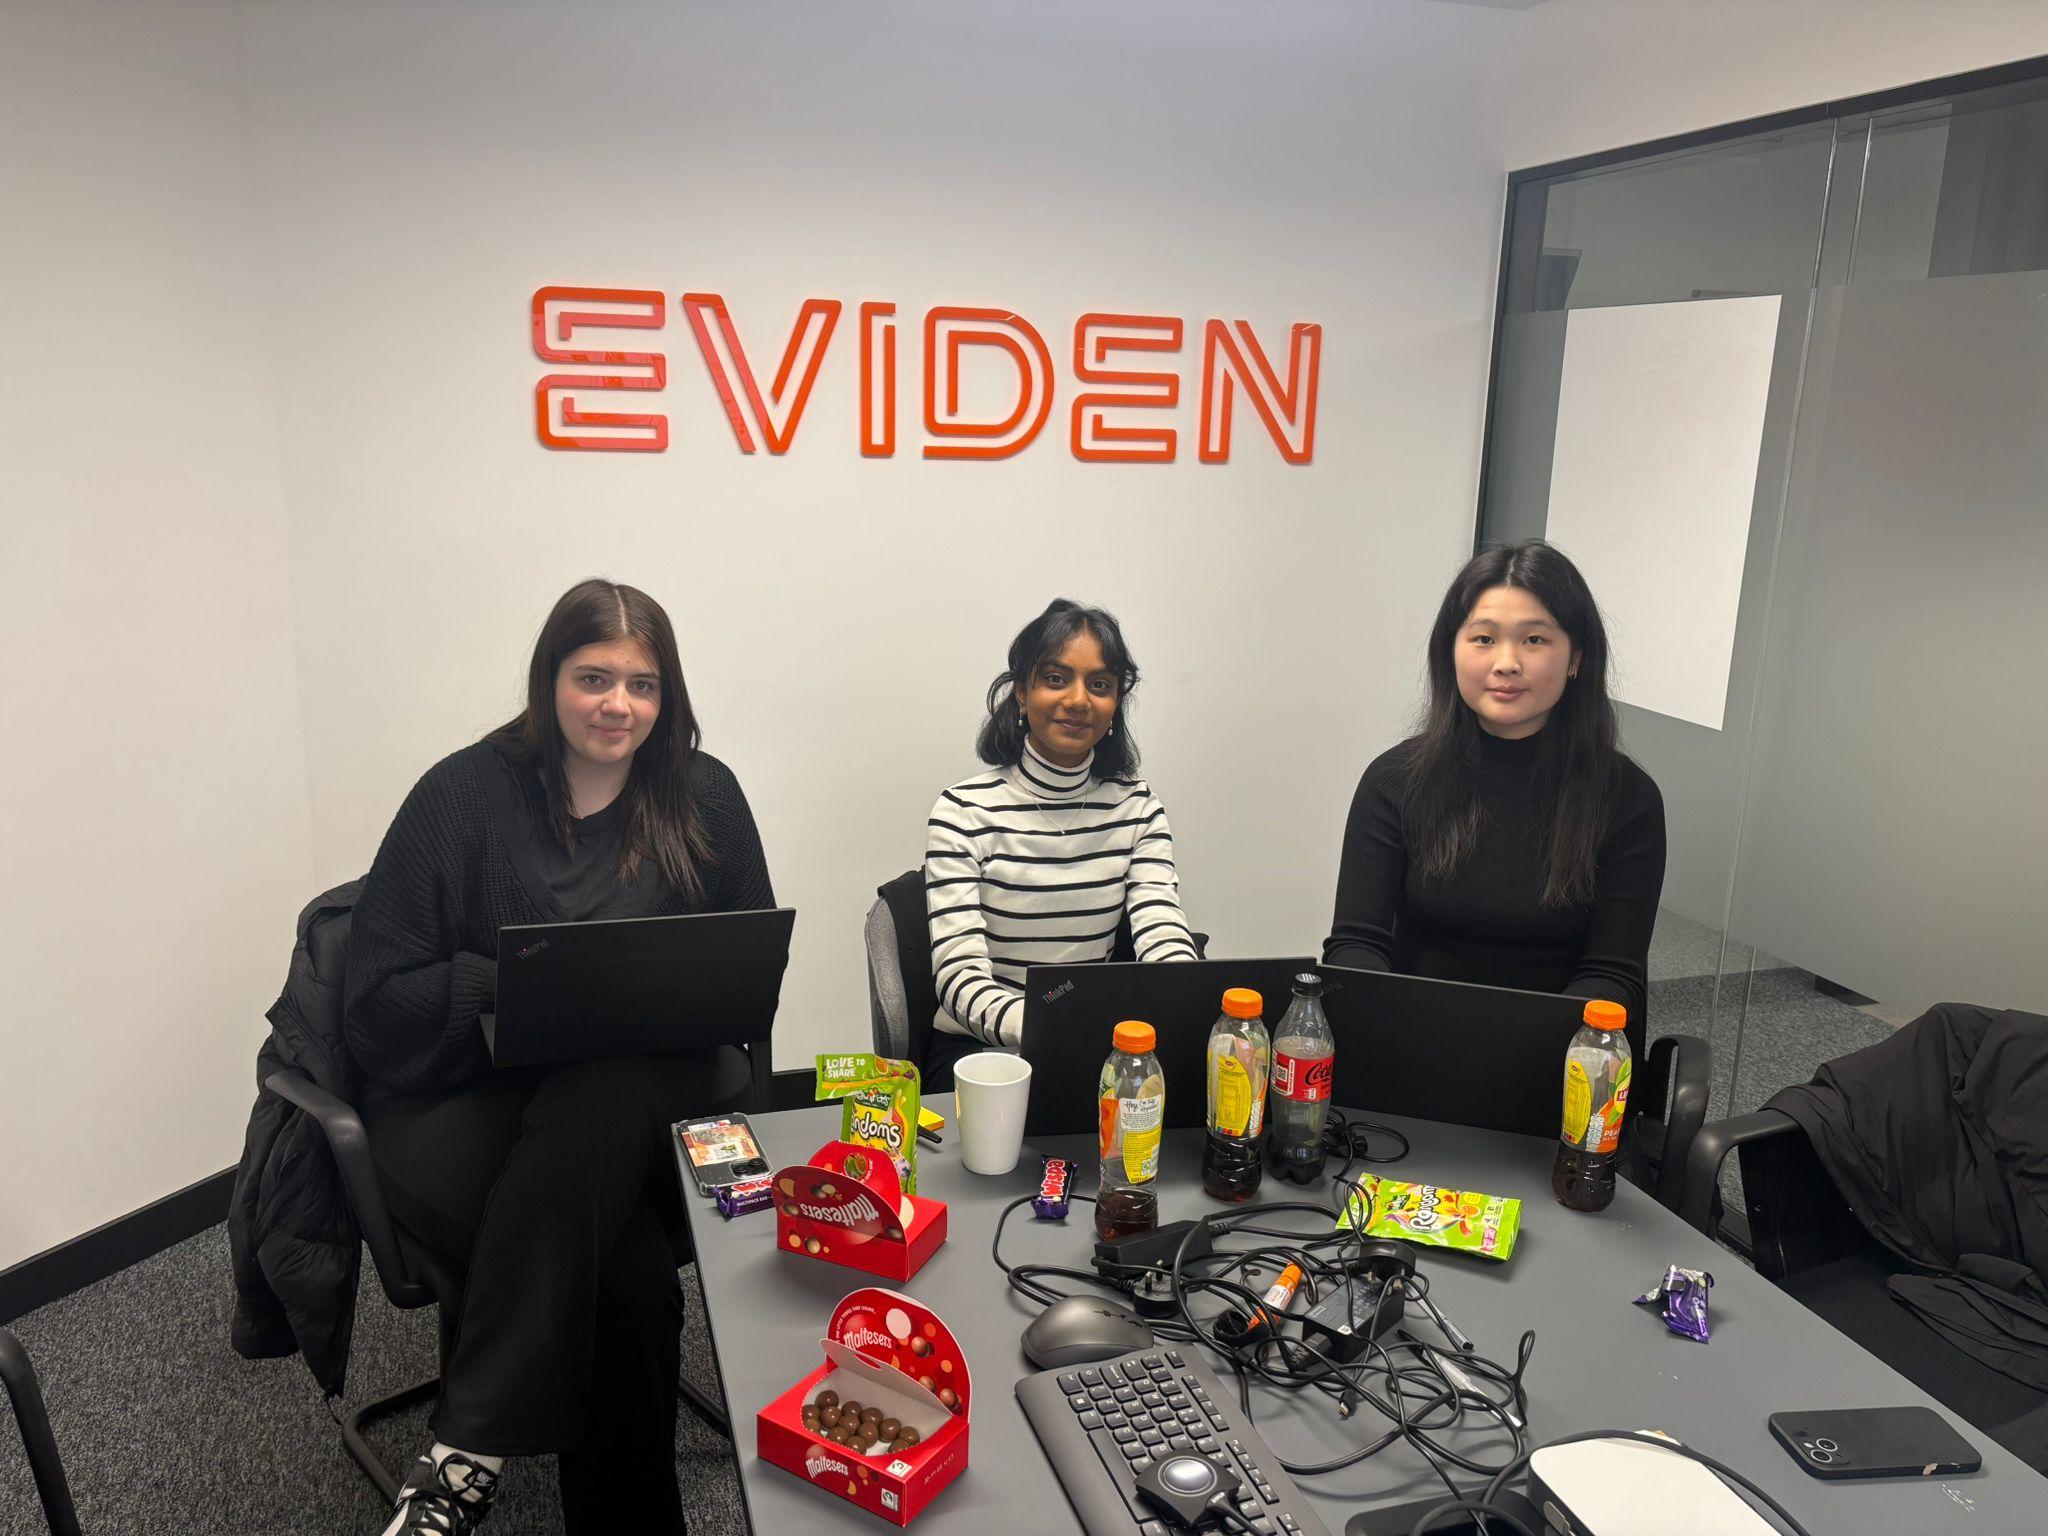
(889,1429)
(927,1383)
(828,1399)
(908,1438)
(920,1346)
(871,1415)
(850,1409)
(949,1397)
(830,1417)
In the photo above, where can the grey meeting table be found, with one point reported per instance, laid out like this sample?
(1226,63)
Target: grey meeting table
(1599,1362)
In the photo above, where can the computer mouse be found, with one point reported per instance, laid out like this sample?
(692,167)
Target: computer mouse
(1078,1329)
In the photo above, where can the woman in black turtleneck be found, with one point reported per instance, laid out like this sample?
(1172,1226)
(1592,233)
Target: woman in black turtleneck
(1509,843)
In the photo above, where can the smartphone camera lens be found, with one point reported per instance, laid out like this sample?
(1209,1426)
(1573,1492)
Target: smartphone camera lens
(1823,1458)
(1825,1444)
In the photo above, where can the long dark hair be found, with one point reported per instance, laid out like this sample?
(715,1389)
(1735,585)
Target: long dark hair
(1577,761)
(1001,741)
(661,821)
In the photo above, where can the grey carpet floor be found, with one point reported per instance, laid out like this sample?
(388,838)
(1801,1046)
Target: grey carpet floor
(165,1431)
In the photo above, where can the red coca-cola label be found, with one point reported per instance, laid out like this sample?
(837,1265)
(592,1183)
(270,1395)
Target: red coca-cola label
(1305,1082)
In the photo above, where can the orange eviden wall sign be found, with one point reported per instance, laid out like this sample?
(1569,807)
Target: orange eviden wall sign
(1232,360)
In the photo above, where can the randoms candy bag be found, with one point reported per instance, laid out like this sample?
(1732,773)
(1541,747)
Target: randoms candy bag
(879,1099)
(1441,1218)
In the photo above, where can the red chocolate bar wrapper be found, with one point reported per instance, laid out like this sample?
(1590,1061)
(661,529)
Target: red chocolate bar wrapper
(747,1195)
(1055,1190)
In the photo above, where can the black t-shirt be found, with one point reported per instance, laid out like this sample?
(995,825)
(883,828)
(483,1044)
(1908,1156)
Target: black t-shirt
(581,880)
(584,880)
(1487,922)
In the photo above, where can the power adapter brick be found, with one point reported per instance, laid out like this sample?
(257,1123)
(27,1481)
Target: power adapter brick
(1121,1259)
(1346,1319)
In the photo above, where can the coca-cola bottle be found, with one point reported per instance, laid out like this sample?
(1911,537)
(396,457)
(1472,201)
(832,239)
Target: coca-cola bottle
(1304,1067)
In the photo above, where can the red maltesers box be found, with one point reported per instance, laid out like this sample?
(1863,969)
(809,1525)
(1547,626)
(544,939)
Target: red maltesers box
(847,1206)
(887,1351)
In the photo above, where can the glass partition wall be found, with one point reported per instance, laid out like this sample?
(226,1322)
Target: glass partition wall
(1784,395)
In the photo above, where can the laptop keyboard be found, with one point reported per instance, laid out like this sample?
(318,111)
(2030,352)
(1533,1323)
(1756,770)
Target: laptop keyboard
(1102,1425)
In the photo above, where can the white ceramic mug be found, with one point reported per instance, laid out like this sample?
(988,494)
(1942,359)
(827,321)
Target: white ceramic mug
(991,1090)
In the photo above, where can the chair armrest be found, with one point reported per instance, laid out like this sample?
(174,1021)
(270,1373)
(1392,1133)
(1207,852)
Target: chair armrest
(1710,1148)
(350,1144)
(1686,1063)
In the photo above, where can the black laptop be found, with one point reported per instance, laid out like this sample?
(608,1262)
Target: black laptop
(1449,1050)
(1406,1045)
(636,986)
(1071,1010)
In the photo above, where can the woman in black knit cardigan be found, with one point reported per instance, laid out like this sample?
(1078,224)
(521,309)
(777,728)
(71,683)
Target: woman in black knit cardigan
(552,1188)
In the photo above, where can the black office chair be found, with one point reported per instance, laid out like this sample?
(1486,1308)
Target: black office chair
(414,1276)
(1668,1105)
(901,999)
(34,1422)
(1806,1240)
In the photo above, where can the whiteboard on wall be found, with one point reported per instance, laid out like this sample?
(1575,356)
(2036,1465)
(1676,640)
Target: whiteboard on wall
(1660,422)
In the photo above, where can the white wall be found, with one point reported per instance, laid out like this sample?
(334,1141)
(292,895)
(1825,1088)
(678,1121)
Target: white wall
(360,438)
(153,826)
(423,170)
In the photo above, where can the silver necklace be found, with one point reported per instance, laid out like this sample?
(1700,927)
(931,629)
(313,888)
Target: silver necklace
(1062,830)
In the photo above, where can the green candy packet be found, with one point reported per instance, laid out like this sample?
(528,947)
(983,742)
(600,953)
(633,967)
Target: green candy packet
(879,1105)
(1459,1219)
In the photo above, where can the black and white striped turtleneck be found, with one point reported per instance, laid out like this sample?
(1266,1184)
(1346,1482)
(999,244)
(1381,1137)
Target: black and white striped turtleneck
(1035,864)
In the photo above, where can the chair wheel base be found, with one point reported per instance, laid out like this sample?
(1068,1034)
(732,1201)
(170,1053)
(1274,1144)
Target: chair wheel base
(359,1448)
(707,1408)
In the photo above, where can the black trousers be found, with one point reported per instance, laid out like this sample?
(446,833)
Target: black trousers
(554,1191)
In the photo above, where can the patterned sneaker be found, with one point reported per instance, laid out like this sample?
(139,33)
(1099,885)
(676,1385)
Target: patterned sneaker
(449,1500)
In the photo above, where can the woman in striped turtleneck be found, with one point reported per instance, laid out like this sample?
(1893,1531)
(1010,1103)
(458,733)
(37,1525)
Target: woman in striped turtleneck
(1037,859)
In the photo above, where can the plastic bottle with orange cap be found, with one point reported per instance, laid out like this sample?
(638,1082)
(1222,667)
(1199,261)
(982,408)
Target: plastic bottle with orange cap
(1239,1063)
(1597,1067)
(1132,1100)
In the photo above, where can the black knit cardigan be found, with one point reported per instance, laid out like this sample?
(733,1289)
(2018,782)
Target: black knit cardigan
(422,961)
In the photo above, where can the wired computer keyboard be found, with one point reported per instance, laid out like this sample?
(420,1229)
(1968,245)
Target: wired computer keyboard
(1104,1425)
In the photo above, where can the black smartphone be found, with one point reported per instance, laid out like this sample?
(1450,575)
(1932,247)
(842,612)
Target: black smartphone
(1874,1442)
(721,1151)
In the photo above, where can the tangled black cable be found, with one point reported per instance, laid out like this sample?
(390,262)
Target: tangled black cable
(1407,1383)
(1414,1380)
(1415,1393)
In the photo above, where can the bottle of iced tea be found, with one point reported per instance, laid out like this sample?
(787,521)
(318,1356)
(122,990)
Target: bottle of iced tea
(1132,1099)
(1597,1067)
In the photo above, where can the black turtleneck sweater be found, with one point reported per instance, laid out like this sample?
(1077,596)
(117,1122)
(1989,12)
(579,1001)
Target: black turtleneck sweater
(1487,922)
